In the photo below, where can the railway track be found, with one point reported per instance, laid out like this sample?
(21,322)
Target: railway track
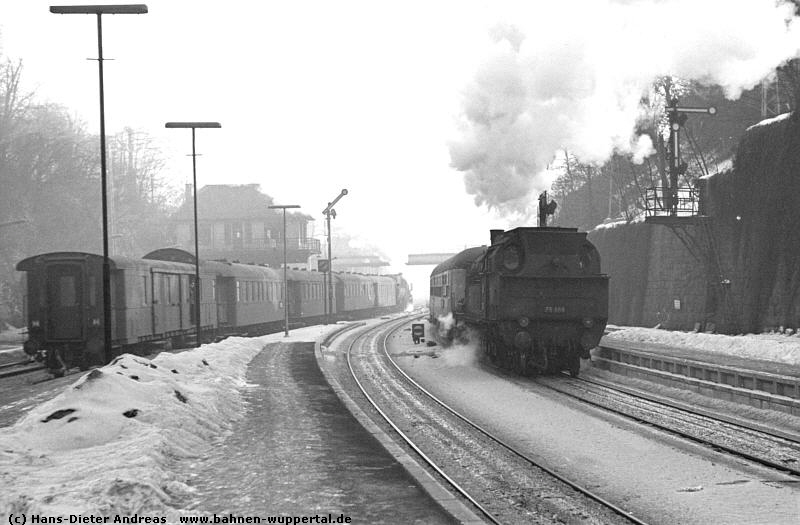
(454,447)
(19,368)
(772,448)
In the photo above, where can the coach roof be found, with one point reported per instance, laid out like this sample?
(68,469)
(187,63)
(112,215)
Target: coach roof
(461,260)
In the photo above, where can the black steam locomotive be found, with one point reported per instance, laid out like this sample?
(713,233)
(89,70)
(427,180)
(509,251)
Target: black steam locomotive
(535,297)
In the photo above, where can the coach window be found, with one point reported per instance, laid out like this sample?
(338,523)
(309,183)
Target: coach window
(204,234)
(144,290)
(238,293)
(92,290)
(66,290)
(174,289)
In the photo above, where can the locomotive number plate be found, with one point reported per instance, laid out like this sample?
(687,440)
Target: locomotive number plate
(555,309)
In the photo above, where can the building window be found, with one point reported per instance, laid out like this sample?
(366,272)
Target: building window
(204,234)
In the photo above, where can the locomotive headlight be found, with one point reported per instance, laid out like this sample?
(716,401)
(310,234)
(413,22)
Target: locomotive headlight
(524,322)
(588,322)
(512,258)
(35,324)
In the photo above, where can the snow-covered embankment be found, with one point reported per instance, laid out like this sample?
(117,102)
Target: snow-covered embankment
(109,442)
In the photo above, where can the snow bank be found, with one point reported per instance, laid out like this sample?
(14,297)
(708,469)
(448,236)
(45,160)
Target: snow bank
(769,347)
(108,444)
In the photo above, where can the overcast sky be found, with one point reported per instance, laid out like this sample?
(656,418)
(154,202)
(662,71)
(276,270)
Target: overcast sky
(381,97)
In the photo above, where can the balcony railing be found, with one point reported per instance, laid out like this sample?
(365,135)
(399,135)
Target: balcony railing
(666,202)
(292,244)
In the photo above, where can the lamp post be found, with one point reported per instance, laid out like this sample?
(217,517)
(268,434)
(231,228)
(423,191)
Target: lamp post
(193,126)
(328,211)
(100,10)
(285,287)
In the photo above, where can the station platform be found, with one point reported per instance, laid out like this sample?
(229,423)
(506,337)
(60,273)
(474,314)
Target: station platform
(706,356)
(760,383)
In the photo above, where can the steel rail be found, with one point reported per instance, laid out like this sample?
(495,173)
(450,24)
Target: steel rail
(586,492)
(719,446)
(407,439)
(20,371)
(748,425)
(15,363)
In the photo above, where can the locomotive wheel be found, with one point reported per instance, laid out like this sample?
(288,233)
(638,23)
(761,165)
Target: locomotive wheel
(574,365)
(523,364)
(490,348)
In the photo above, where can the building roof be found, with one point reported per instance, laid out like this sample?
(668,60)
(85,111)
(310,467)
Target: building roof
(231,201)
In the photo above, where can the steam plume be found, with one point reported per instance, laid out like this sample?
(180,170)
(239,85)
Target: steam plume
(573,77)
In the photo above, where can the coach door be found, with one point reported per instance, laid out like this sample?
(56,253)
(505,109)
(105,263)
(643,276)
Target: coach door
(160,302)
(65,298)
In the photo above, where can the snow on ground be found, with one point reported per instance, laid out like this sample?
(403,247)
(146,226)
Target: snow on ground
(11,335)
(769,347)
(108,443)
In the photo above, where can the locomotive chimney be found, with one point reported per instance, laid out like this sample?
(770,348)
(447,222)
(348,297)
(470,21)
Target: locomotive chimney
(495,234)
(187,196)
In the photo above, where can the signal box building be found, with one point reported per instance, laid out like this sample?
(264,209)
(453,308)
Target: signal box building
(235,223)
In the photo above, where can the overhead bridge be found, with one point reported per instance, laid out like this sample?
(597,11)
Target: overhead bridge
(419,259)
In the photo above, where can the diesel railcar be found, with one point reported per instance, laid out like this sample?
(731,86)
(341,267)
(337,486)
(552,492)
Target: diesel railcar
(535,297)
(152,301)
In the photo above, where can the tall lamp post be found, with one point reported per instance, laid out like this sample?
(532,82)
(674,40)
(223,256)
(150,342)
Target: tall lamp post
(285,287)
(100,10)
(193,126)
(328,212)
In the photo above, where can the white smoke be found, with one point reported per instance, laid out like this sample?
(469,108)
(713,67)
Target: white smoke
(446,322)
(572,77)
(465,350)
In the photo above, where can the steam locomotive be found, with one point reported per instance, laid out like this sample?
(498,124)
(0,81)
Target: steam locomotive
(152,302)
(535,297)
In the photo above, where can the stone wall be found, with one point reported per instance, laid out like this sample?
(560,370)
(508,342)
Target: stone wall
(739,268)
(654,279)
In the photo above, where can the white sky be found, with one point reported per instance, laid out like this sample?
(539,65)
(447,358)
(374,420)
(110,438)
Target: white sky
(313,97)
(316,96)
